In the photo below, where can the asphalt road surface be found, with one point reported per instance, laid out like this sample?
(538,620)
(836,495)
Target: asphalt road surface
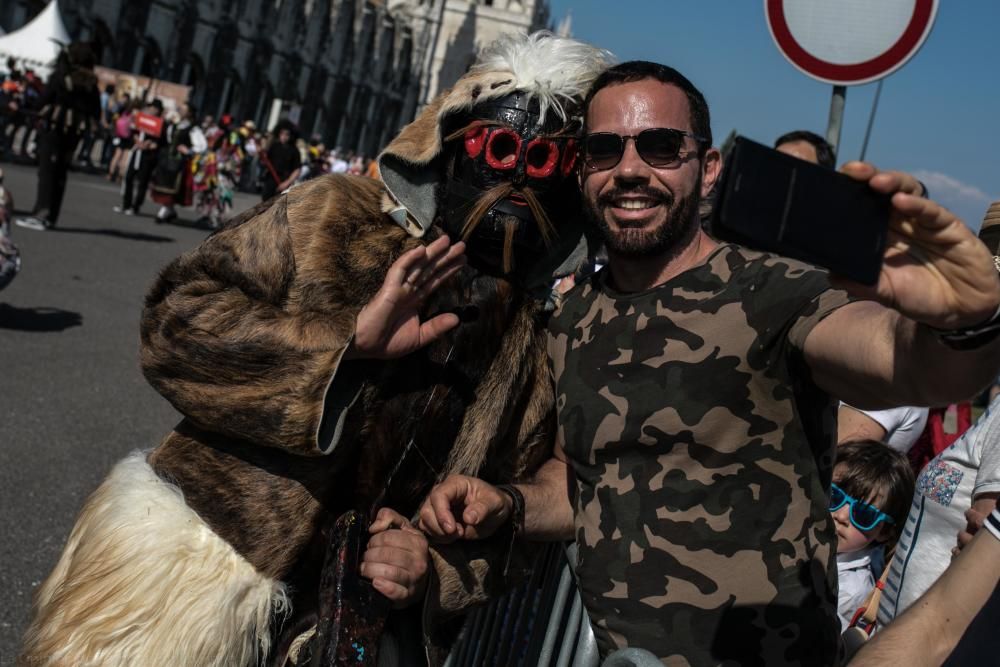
(72,397)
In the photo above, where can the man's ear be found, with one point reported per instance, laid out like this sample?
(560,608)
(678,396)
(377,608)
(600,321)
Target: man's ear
(711,168)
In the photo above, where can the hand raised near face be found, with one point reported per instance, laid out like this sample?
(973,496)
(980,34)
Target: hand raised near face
(389,325)
(935,270)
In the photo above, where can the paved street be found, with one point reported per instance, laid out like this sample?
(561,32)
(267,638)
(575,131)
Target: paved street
(72,398)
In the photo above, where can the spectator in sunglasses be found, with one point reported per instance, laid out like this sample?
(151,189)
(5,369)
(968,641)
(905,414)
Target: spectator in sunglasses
(695,384)
(869,499)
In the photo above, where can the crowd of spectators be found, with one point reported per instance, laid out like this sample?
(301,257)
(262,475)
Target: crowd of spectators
(226,155)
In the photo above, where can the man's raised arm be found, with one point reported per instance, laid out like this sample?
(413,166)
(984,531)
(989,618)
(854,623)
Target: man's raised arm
(916,341)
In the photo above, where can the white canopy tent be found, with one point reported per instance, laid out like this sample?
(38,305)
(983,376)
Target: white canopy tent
(36,46)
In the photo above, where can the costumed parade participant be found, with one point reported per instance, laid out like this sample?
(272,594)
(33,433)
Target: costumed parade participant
(330,351)
(172,180)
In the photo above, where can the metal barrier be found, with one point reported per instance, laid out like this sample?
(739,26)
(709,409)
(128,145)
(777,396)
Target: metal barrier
(541,622)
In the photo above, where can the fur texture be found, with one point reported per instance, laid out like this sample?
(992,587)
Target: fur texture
(143,581)
(556,70)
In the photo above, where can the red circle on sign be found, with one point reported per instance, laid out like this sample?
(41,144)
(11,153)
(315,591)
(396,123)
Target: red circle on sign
(879,66)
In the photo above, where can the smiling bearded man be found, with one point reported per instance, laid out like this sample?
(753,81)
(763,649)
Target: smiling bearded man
(695,384)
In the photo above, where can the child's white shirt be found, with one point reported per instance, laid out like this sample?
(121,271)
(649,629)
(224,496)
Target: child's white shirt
(856,582)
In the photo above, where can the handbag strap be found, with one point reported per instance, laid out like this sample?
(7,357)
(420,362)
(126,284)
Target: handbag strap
(867,614)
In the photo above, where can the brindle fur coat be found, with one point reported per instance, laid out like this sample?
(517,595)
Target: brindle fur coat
(244,336)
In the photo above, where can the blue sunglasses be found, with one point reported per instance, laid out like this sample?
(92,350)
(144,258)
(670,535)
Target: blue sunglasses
(863,516)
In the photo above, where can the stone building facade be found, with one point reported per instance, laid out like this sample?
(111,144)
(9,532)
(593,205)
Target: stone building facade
(350,71)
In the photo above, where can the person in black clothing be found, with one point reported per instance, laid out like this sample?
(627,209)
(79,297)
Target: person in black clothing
(141,163)
(70,105)
(282,163)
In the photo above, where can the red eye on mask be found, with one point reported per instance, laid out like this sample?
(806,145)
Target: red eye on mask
(474,140)
(542,157)
(502,149)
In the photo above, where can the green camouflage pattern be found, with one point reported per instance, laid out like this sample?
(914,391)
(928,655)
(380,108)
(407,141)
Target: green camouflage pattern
(703,455)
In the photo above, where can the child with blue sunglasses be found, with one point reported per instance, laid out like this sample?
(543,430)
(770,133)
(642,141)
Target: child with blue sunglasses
(869,498)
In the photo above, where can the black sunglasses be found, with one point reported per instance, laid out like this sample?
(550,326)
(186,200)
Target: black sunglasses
(658,146)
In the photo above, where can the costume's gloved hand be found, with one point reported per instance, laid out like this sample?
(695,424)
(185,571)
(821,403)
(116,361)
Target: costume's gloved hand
(396,560)
(389,325)
(935,270)
(463,507)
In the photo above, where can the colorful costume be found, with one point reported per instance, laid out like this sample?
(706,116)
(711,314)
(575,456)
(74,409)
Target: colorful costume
(188,555)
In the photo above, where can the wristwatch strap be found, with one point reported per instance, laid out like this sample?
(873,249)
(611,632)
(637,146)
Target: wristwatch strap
(516,523)
(517,507)
(972,337)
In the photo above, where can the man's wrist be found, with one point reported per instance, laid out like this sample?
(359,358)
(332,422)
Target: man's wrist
(514,506)
(970,338)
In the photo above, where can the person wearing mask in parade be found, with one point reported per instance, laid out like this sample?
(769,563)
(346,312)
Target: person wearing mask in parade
(333,351)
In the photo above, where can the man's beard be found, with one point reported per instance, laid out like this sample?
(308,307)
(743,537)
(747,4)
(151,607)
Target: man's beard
(682,220)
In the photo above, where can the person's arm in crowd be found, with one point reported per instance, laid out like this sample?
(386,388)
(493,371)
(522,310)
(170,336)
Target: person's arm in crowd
(936,275)
(854,425)
(468,508)
(288,182)
(982,506)
(927,632)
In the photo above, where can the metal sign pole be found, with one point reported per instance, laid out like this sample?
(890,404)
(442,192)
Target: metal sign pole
(836,117)
(871,119)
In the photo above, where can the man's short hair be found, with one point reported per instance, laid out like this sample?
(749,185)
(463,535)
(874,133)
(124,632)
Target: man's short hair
(824,152)
(639,70)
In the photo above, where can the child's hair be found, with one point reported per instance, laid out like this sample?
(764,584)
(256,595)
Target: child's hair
(871,467)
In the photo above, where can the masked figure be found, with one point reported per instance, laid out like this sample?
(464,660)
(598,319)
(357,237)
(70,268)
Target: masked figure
(193,553)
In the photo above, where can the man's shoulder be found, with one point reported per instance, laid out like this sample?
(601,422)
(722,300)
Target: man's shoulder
(756,264)
(574,304)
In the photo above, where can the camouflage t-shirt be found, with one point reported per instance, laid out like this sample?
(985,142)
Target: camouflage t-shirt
(703,454)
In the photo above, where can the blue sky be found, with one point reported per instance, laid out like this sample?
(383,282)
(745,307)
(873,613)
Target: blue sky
(938,116)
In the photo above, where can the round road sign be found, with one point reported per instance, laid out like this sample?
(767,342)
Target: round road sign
(849,42)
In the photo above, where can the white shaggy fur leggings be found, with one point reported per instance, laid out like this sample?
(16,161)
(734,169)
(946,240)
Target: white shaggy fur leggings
(144,581)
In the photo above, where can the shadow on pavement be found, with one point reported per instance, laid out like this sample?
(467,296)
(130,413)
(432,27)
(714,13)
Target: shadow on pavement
(118,233)
(37,319)
(203,223)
